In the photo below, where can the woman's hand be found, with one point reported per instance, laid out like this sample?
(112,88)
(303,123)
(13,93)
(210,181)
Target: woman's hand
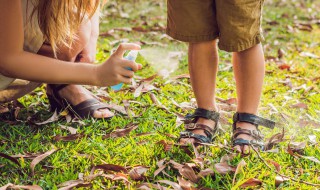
(114,70)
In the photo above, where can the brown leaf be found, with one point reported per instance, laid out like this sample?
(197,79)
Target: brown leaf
(68,185)
(224,168)
(150,186)
(40,158)
(3,109)
(53,118)
(149,79)
(137,173)
(117,108)
(300,105)
(205,173)
(304,123)
(298,147)
(274,140)
(68,137)
(121,132)
(186,185)
(187,172)
(9,158)
(311,158)
(284,66)
(174,185)
(252,182)
(70,129)
(281,53)
(27,187)
(241,164)
(166,145)
(275,164)
(109,167)
(227,157)
(162,165)
(181,77)
(279,180)
(176,165)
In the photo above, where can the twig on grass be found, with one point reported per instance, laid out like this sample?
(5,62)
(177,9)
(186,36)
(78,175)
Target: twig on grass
(282,175)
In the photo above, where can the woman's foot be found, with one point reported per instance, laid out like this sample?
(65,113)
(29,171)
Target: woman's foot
(76,94)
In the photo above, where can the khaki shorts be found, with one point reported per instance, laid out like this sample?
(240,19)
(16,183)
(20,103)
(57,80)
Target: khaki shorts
(237,23)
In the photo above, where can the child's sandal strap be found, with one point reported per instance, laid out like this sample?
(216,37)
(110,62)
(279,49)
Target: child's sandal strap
(256,134)
(200,138)
(203,113)
(241,142)
(253,119)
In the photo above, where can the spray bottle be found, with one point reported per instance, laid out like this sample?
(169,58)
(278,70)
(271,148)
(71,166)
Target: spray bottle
(132,56)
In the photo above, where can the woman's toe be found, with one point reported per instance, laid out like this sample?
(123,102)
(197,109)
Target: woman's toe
(103,113)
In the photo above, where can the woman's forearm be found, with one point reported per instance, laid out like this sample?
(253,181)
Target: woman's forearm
(39,68)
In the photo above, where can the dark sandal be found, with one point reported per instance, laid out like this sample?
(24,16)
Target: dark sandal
(191,124)
(82,110)
(255,134)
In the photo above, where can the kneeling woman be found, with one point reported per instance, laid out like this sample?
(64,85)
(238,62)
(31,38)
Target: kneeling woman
(53,42)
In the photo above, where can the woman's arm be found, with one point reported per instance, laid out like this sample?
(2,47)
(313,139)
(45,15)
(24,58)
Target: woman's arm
(16,63)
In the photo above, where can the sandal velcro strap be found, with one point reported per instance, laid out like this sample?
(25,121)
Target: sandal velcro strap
(203,113)
(256,134)
(207,130)
(241,142)
(200,138)
(253,119)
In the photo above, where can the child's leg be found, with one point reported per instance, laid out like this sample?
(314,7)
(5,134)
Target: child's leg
(249,68)
(203,67)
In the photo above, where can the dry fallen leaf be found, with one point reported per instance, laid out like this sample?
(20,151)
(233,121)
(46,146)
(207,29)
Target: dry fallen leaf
(70,129)
(167,146)
(39,158)
(223,168)
(67,138)
(241,164)
(68,185)
(174,185)
(186,185)
(109,167)
(300,105)
(137,173)
(274,140)
(279,180)
(121,132)
(9,158)
(275,164)
(53,118)
(252,182)
(27,187)
(187,172)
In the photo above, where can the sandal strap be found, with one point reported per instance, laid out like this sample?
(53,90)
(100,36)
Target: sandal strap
(242,142)
(253,119)
(207,130)
(256,134)
(56,89)
(189,134)
(203,113)
(87,107)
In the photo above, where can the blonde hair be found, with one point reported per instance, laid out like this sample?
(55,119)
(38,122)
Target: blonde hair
(59,20)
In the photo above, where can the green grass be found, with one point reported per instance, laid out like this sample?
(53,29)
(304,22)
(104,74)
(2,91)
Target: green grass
(23,137)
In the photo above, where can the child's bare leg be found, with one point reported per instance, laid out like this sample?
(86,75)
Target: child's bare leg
(203,66)
(249,69)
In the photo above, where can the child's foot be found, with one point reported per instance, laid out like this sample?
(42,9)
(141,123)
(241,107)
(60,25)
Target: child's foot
(246,132)
(201,127)
(245,149)
(202,121)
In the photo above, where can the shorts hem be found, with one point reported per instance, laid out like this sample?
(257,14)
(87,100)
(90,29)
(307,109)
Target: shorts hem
(197,38)
(241,46)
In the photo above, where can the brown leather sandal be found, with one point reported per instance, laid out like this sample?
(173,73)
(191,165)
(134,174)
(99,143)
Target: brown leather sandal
(191,124)
(257,141)
(82,110)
